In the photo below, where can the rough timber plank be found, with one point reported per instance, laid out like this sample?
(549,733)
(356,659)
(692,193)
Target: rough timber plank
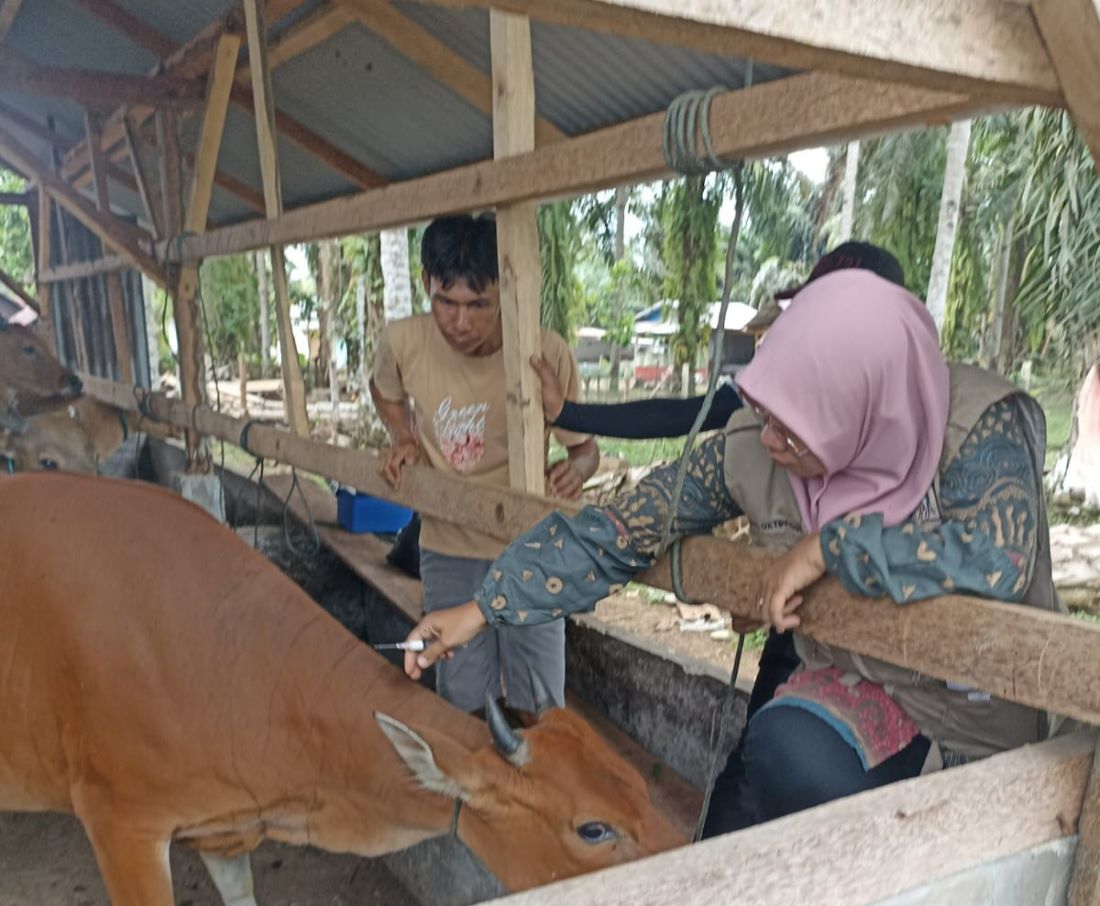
(773,118)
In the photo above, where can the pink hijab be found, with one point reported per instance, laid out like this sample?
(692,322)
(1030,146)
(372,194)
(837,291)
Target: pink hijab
(854,368)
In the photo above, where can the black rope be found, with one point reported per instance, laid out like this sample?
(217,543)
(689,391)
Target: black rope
(295,485)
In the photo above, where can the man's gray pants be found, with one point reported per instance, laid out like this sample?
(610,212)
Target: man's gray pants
(502,658)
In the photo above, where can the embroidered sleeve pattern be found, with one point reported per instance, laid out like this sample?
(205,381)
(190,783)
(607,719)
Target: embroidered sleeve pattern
(986,542)
(566,564)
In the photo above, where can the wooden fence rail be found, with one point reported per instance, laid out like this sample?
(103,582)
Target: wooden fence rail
(1033,657)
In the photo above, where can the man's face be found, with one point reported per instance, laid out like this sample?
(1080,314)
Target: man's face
(469,320)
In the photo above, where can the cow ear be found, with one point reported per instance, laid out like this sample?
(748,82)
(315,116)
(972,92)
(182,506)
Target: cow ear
(423,758)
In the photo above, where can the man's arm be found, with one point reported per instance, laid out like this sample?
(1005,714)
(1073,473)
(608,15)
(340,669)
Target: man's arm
(566,478)
(404,445)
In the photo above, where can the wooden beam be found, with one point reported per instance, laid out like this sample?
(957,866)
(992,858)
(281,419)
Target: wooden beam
(14,286)
(188,319)
(18,199)
(123,238)
(1004,649)
(1085,885)
(32,127)
(869,848)
(1071,30)
(312,30)
(9,9)
(194,57)
(987,48)
(518,252)
(143,177)
(116,302)
(80,270)
(44,254)
(171,172)
(264,104)
(774,118)
(123,21)
(93,86)
(437,58)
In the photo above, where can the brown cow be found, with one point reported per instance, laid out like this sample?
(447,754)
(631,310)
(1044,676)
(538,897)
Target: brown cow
(164,681)
(56,440)
(32,380)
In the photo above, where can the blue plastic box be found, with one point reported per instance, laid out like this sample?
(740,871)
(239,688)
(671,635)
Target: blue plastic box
(361,513)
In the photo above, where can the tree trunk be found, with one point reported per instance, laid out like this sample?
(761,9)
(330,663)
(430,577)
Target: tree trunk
(263,285)
(329,296)
(619,252)
(397,300)
(152,329)
(954,173)
(848,204)
(361,331)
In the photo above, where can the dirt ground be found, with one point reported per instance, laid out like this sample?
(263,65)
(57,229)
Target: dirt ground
(658,622)
(45,860)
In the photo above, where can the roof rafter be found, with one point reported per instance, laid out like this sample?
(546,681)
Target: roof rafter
(9,9)
(986,48)
(772,118)
(434,56)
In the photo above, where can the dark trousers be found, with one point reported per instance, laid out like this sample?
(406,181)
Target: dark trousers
(788,759)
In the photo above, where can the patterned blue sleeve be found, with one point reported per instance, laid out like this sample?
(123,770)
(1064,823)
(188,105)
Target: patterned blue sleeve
(565,564)
(986,543)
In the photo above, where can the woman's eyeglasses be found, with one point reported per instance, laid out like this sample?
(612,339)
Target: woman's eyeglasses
(768,421)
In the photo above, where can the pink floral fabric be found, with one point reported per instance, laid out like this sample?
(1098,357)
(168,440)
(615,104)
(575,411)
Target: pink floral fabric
(861,711)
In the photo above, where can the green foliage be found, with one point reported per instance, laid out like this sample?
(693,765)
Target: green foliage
(898,198)
(16,256)
(559,242)
(688,211)
(232,306)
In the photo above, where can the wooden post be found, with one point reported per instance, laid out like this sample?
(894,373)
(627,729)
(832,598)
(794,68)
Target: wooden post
(1084,888)
(188,326)
(171,172)
(242,376)
(45,253)
(518,252)
(143,177)
(294,393)
(115,299)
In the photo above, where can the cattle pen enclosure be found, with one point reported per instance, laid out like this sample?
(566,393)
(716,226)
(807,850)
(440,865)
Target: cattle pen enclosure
(501,103)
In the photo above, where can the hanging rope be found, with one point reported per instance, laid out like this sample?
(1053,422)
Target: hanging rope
(687,129)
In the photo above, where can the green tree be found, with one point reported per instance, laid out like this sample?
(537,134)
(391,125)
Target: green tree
(231,304)
(16,258)
(559,242)
(689,220)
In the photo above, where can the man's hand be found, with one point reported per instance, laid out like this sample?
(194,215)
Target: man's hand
(779,596)
(396,458)
(563,480)
(553,398)
(446,630)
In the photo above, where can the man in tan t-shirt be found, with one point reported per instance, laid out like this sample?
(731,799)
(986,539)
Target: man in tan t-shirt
(439,385)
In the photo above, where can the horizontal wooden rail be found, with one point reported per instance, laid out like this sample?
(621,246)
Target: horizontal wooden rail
(1019,653)
(863,849)
(81,269)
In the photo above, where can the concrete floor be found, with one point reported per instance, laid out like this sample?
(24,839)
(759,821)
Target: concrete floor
(45,860)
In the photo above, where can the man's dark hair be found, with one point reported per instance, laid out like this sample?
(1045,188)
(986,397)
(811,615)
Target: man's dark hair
(461,248)
(854,255)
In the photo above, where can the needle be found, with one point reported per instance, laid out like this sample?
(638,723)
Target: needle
(414,645)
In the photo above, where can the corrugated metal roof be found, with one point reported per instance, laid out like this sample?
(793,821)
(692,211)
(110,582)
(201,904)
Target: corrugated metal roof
(366,98)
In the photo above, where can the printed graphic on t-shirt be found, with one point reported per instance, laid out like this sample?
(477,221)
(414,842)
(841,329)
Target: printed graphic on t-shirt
(460,432)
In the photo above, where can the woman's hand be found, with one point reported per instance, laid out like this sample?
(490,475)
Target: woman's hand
(444,630)
(553,398)
(779,596)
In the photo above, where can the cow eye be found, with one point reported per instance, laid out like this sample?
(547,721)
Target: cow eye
(28,349)
(48,464)
(593,832)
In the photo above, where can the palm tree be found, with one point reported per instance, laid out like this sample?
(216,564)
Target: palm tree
(958,142)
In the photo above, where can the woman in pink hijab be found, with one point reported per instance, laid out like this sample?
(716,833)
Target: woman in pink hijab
(860,453)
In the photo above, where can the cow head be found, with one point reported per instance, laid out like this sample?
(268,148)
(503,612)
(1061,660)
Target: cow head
(32,380)
(539,804)
(56,440)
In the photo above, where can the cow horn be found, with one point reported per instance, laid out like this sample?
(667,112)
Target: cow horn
(540,694)
(509,742)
